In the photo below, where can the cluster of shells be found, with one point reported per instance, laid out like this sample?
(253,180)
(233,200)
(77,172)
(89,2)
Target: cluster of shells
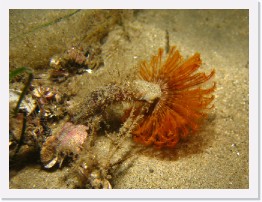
(75,60)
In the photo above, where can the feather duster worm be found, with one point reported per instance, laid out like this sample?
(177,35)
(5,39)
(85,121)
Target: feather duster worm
(181,107)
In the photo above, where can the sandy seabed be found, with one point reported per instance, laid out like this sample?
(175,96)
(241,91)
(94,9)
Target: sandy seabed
(216,157)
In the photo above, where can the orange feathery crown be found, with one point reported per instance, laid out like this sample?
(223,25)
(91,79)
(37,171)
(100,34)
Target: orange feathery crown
(180,108)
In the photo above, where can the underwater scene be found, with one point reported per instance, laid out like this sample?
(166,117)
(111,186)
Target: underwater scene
(128,99)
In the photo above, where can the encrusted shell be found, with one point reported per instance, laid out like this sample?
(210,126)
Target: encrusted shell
(67,141)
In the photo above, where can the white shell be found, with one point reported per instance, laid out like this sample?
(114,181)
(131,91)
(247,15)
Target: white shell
(51,163)
(28,103)
(107,185)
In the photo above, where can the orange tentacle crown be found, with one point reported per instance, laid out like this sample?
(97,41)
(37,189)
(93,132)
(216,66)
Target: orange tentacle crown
(183,102)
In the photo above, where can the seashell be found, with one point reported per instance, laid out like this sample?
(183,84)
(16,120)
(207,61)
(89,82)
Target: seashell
(48,151)
(65,142)
(51,163)
(28,103)
(106,184)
